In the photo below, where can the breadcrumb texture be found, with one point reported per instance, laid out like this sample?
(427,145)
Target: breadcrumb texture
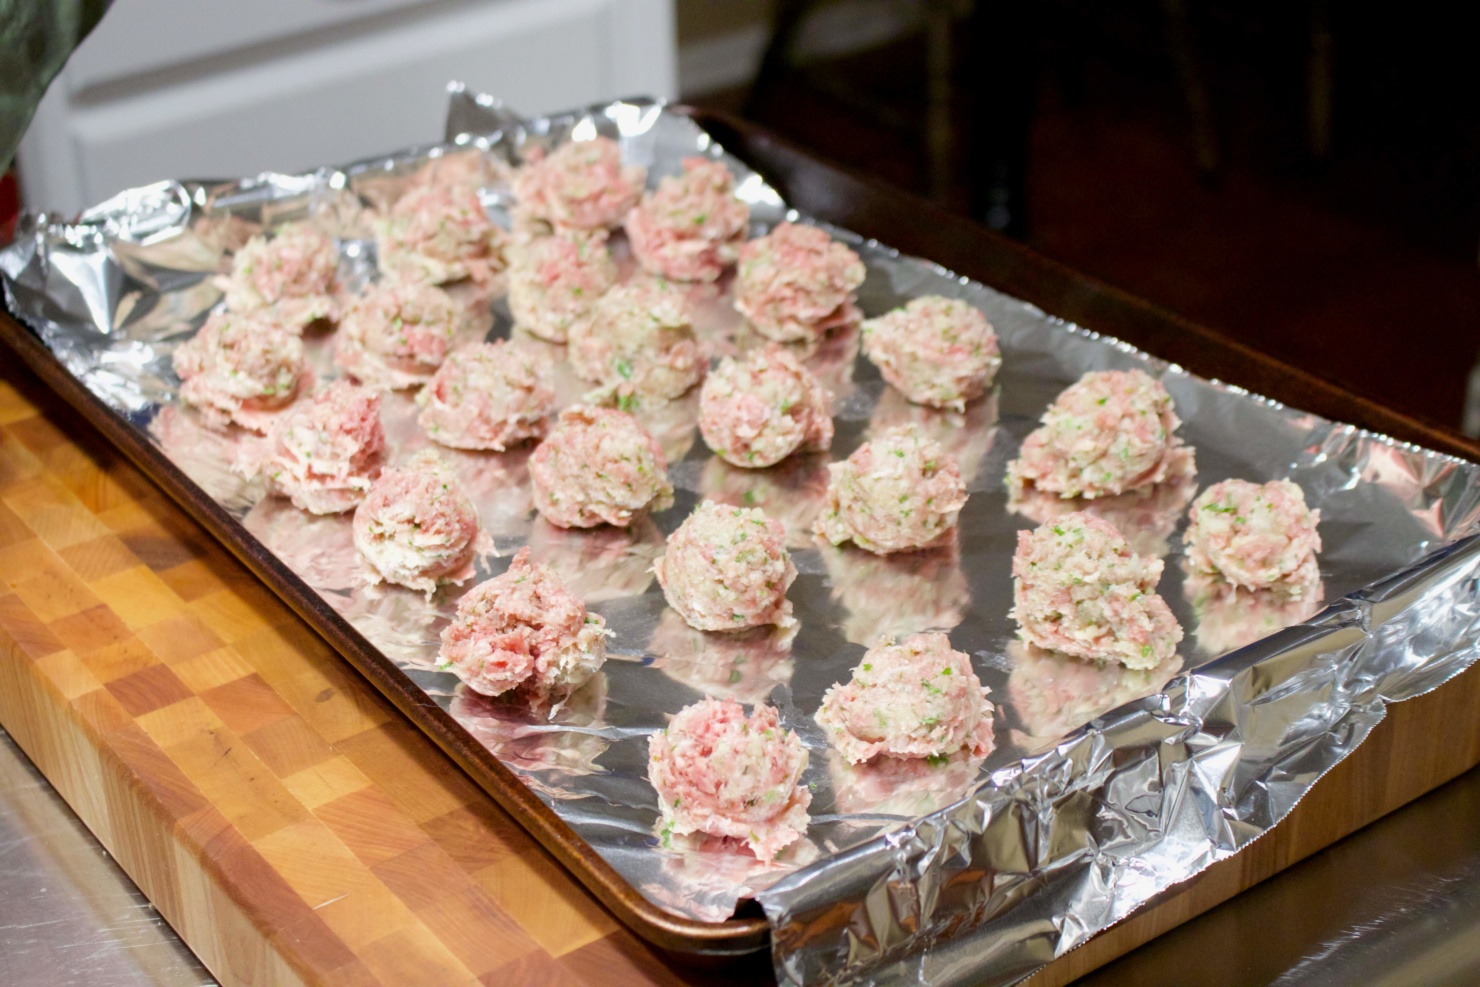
(722,773)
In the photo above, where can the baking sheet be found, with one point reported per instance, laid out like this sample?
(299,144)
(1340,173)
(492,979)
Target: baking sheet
(908,870)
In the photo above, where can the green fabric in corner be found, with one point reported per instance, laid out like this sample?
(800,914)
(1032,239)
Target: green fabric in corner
(36,39)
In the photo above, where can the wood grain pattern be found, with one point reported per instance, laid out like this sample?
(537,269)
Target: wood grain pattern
(284,817)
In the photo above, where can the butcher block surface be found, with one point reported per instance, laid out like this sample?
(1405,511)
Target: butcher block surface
(283,817)
(294,828)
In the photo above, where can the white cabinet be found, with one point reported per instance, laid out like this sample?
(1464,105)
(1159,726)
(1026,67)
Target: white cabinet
(220,88)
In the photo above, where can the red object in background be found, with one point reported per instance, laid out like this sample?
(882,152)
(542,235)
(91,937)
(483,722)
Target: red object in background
(10,206)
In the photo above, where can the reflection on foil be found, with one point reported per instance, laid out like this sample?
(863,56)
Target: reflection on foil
(791,492)
(1146,517)
(900,594)
(967,436)
(1054,694)
(902,787)
(745,666)
(1065,828)
(1229,617)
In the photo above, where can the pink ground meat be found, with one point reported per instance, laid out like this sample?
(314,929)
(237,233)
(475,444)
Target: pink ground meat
(294,276)
(758,410)
(722,773)
(523,630)
(598,466)
(900,491)
(938,351)
(1079,589)
(691,227)
(919,698)
(396,334)
(796,283)
(240,369)
(437,234)
(792,492)
(416,527)
(1109,432)
(488,396)
(641,343)
(581,185)
(1229,616)
(556,281)
(1147,517)
(966,436)
(1258,536)
(324,453)
(727,568)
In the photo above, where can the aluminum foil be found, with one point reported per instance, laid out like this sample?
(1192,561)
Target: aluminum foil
(1106,787)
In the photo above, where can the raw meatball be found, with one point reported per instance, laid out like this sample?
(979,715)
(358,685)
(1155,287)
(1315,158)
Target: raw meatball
(966,436)
(1229,616)
(598,466)
(938,351)
(719,772)
(581,185)
(792,492)
(1078,588)
(437,234)
(897,492)
(294,276)
(523,630)
(920,698)
(240,368)
(691,228)
(796,283)
(396,334)
(416,527)
(727,568)
(757,411)
(488,396)
(1109,432)
(1147,517)
(556,281)
(324,454)
(641,342)
(1255,536)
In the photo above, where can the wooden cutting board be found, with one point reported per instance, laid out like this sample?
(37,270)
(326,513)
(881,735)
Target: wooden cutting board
(294,829)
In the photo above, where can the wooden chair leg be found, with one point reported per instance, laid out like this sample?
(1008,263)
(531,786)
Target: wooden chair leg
(1199,106)
(1320,79)
(786,23)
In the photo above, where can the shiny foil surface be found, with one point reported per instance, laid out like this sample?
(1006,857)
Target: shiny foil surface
(1106,787)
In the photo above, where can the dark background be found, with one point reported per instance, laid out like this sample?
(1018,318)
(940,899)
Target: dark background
(1359,263)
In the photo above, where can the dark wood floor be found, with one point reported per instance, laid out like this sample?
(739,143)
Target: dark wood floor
(1362,267)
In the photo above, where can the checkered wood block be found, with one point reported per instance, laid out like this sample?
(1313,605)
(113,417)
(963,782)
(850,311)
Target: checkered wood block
(284,818)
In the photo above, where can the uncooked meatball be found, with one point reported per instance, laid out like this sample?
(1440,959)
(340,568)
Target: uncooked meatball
(1109,432)
(722,773)
(756,411)
(598,466)
(900,491)
(439,233)
(240,369)
(416,527)
(641,343)
(919,698)
(396,334)
(293,276)
(324,453)
(581,185)
(937,351)
(488,396)
(1258,536)
(691,227)
(555,282)
(727,568)
(523,632)
(1079,589)
(796,284)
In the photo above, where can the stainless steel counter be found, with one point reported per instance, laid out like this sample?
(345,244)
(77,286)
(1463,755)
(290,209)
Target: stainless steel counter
(68,914)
